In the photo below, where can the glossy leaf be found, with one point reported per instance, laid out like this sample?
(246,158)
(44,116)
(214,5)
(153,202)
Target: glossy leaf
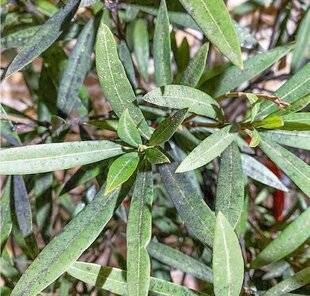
(295,106)
(114,280)
(43,158)
(121,170)
(292,283)
(296,87)
(293,236)
(301,51)
(113,79)
(5,210)
(162,47)
(79,234)
(167,128)
(196,67)
(230,185)
(45,36)
(257,171)
(155,156)
(180,261)
(128,131)
(139,232)
(296,139)
(179,97)
(297,121)
(207,150)
(141,46)
(214,20)
(195,213)
(270,122)
(233,77)
(227,265)
(74,74)
(297,170)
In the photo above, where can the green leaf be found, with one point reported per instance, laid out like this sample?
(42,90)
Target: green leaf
(179,97)
(19,38)
(196,67)
(230,185)
(195,213)
(43,158)
(233,77)
(141,46)
(207,150)
(121,170)
(301,51)
(292,283)
(128,131)
(69,245)
(291,165)
(293,236)
(214,20)
(180,261)
(46,35)
(270,122)
(126,59)
(162,47)
(22,206)
(167,128)
(139,232)
(297,121)
(295,88)
(74,74)
(296,139)
(227,265)
(295,106)
(257,171)
(5,210)
(113,79)
(155,156)
(114,280)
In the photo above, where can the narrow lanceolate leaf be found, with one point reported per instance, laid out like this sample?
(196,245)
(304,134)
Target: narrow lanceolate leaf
(292,283)
(139,231)
(295,106)
(114,280)
(291,165)
(230,185)
(233,77)
(194,212)
(46,35)
(5,211)
(155,156)
(297,121)
(270,122)
(196,67)
(227,265)
(43,158)
(75,72)
(69,245)
(213,18)
(207,150)
(162,47)
(113,79)
(179,97)
(121,170)
(180,261)
(286,242)
(257,171)
(22,206)
(128,131)
(296,87)
(141,46)
(297,139)
(167,128)
(301,51)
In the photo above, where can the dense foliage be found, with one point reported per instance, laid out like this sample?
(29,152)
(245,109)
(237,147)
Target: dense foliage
(200,165)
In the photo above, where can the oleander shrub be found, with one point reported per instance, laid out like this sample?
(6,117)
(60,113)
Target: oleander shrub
(163,150)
